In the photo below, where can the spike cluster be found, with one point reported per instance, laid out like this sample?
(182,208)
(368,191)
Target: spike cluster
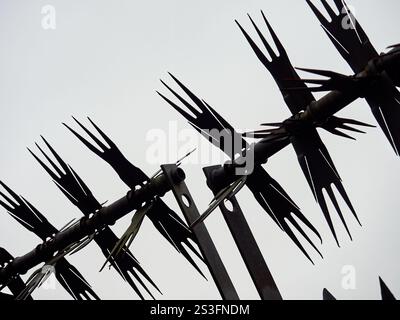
(314,158)
(375,79)
(267,191)
(76,191)
(355,47)
(165,220)
(29,217)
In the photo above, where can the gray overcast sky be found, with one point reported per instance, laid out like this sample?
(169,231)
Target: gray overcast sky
(104,60)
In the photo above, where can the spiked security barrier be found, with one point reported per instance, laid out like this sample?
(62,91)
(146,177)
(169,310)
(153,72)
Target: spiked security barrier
(375,79)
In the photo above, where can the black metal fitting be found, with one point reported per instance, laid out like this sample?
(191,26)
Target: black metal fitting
(221,176)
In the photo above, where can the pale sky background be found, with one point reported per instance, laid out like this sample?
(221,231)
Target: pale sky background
(105,59)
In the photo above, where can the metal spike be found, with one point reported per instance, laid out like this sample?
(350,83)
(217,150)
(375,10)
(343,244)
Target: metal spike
(179,97)
(180,110)
(91,135)
(385,291)
(264,41)
(255,48)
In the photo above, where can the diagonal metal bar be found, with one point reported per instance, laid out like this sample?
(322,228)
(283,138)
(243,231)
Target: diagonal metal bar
(206,245)
(87,226)
(247,245)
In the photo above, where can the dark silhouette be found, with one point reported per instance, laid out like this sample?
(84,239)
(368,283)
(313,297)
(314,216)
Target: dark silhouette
(16,285)
(269,194)
(165,220)
(355,47)
(385,291)
(327,296)
(29,217)
(73,187)
(314,158)
(375,78)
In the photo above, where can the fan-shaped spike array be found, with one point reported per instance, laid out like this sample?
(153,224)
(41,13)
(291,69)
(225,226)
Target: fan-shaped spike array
(73,187)
(29,217)
(267,191)
(355,47)
(375,79)
(314,158)
(165,220)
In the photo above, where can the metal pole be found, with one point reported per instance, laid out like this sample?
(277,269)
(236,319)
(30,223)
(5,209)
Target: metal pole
(247,245)
(205,243)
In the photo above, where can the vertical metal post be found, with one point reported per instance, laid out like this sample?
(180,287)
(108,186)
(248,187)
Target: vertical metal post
(247,245)
(206,245)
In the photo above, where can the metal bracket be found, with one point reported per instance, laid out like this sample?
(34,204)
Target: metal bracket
(206,245)
(247,245)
